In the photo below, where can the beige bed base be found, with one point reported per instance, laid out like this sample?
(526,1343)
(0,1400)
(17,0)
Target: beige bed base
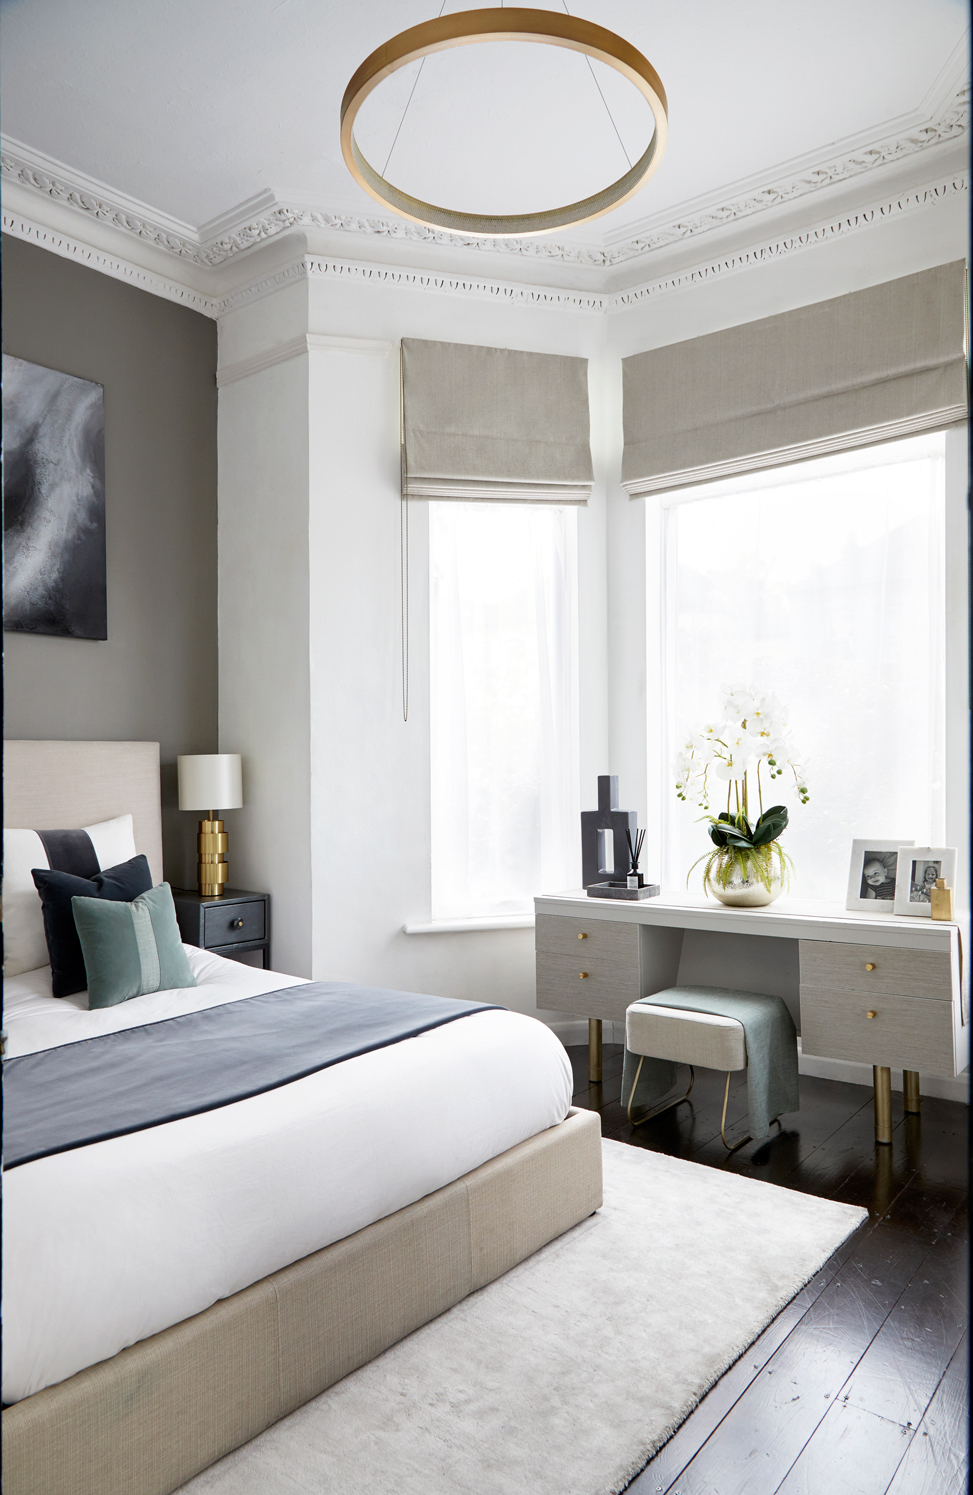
(157,1413)
(149,1419)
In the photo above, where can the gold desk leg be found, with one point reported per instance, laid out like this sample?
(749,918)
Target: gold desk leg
(594,1051)
(882,1078)
(910,1091)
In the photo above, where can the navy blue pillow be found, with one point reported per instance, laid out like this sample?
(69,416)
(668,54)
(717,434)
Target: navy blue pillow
(121,884)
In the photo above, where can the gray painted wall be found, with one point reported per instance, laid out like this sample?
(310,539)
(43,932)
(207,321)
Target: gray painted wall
(155,677)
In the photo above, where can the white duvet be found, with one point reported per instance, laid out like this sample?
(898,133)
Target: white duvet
(109,1243)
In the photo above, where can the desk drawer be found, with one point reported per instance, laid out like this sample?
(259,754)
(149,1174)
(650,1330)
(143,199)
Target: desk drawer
(897,973)
(591,938)
(905,1033)
(233,923)
(590,982)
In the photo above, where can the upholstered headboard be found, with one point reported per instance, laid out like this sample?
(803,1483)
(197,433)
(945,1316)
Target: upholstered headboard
(63,785)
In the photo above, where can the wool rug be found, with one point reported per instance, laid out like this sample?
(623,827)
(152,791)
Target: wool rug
(565,1376)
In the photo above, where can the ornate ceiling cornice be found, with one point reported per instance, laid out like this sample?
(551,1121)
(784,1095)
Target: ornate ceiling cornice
(311,266)
(263,219)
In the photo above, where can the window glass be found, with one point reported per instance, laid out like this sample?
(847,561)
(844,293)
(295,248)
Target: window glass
(504,705)
(822,582)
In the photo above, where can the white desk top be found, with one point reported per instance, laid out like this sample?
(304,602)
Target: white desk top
(788,918)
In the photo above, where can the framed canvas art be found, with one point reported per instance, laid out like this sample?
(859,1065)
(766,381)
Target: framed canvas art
(55,578)
(871,876)
(919,867)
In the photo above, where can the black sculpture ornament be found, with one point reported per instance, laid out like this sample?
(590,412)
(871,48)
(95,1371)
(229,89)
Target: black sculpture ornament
(611,845)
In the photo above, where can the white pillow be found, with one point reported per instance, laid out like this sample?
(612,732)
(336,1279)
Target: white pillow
(24,943)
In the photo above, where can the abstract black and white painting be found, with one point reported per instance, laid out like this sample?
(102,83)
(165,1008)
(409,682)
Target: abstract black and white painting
(53,502)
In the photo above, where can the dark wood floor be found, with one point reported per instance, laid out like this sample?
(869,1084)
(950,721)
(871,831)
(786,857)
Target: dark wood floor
(860,1385)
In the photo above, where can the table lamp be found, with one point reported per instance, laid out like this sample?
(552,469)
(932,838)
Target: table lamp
(211,781)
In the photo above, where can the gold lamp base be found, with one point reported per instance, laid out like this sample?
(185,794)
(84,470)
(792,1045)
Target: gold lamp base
(212,868)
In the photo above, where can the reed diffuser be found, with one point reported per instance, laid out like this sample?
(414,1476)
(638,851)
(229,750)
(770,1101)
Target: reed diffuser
(634,878)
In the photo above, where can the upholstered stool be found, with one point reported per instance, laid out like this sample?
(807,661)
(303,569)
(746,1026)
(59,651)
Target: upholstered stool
(693,1038)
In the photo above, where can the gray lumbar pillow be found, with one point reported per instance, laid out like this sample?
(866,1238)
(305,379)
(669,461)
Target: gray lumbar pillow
(131,948)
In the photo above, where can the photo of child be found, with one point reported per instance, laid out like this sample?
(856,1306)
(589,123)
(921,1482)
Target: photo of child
(878,875)
(923,880)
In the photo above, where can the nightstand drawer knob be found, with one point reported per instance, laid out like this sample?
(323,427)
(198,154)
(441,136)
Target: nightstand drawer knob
(237,924)
(582,936)
(873,1013)
(582,975)
(869,965)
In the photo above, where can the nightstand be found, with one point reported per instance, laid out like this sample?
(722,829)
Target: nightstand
(230,925)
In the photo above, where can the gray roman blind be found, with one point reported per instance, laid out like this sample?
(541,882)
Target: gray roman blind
(884,362)
(493,423)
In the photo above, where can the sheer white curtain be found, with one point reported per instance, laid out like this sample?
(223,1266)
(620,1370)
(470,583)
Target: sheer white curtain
(504,705)
(822,582)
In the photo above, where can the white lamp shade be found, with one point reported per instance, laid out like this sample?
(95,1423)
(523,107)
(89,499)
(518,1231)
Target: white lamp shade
(210,781)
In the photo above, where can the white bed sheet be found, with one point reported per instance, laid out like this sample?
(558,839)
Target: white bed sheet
(107,1244)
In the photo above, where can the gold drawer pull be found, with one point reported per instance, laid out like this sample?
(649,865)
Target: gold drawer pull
(582,936)
(869,965)
(873,1013)
(582,975)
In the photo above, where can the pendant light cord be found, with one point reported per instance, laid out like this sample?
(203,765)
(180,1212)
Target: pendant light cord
(602,97)
(407,103)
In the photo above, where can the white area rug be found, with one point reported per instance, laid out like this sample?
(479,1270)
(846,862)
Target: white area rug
(567,1374)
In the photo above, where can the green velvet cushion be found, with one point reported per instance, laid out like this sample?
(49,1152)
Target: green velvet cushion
(131,948)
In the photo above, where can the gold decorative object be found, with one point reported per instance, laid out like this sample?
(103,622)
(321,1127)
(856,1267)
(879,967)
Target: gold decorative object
(522,25)
(212,868)
(594,1050)
(882,1080)
(941,900)
(910,1092)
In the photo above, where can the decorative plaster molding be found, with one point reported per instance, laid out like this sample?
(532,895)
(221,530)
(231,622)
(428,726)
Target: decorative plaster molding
(262,218)
(953,122)
(906,202)
(71,248)
(308,342)
(506,292)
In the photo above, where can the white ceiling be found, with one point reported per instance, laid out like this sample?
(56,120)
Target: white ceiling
(195,106)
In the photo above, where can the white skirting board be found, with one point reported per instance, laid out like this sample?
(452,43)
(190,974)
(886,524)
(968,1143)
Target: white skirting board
(575,1030)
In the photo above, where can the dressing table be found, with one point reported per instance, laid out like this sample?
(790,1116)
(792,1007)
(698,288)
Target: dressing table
(880,989)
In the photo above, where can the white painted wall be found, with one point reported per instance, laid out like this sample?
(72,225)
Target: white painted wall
(264,633)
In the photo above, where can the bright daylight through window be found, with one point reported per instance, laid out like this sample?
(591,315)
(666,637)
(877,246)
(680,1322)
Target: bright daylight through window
(504,705)
(824,583)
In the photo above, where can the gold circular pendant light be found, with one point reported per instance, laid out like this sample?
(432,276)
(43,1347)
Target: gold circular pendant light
(520,25)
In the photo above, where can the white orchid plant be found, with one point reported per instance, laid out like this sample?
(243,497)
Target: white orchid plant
(749,740)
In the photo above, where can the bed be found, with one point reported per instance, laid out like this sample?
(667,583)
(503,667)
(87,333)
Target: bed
(173,1291)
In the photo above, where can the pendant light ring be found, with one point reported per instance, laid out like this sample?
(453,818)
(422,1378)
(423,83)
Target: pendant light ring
(463,29)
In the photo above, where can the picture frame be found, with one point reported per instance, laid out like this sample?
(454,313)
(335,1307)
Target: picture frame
(873,894)
(916,875)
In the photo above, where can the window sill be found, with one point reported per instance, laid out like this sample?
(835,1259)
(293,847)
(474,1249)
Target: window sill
(467,926)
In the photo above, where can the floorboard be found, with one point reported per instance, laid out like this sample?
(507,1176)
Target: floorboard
(860,1385)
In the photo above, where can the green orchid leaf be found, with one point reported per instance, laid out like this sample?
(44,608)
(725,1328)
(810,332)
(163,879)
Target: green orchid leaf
(776,810)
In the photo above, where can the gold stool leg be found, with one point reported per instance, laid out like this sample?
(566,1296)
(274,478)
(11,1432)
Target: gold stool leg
(910,1091)
(726,1097)
(594,1051)
(655,1110)
(882,1078)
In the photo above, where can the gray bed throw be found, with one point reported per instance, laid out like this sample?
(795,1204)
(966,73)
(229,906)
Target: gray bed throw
(771,1052)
